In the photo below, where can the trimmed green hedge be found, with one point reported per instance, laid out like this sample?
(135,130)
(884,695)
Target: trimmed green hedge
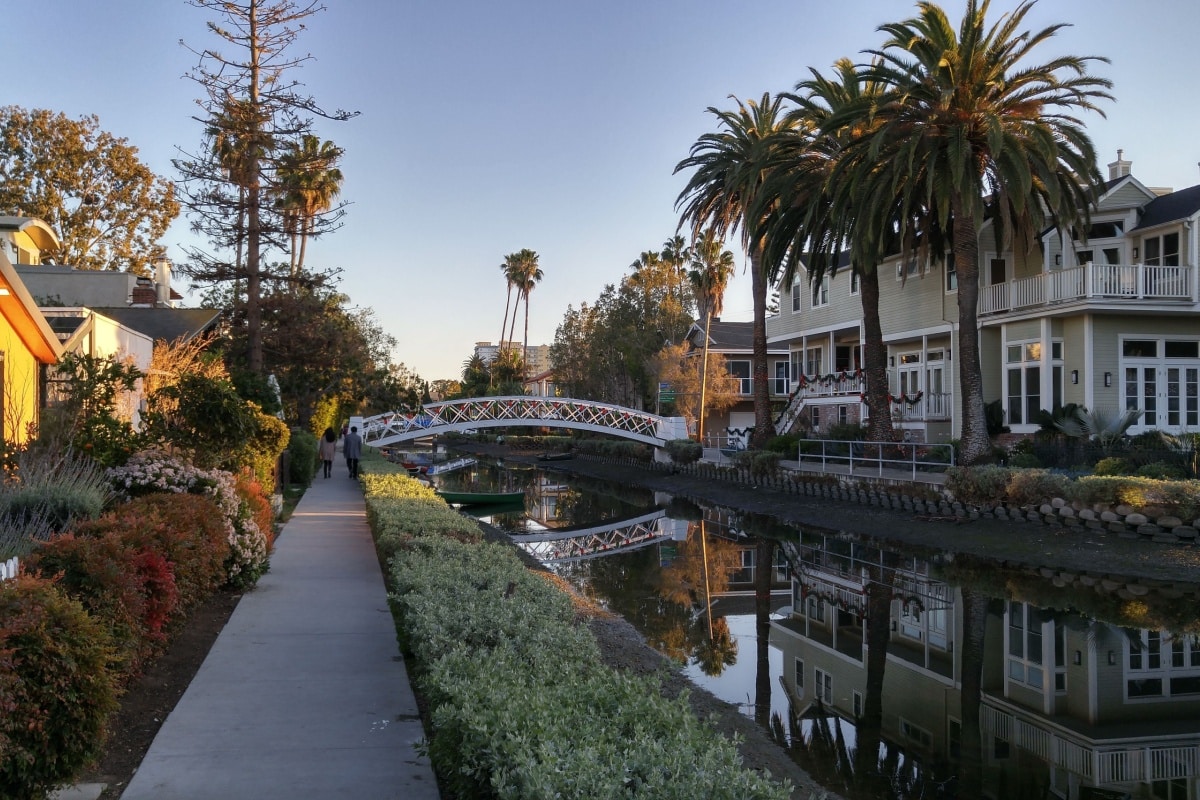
(521,706)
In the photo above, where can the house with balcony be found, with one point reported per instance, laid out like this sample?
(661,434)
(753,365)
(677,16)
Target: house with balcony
(1104,317)
(734,342)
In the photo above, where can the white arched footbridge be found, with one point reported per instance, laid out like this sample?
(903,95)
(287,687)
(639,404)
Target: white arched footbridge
(477,413)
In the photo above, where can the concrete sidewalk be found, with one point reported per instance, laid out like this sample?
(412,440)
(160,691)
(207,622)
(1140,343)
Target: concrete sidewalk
(304,695)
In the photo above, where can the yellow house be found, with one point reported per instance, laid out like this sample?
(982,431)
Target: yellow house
(26,345)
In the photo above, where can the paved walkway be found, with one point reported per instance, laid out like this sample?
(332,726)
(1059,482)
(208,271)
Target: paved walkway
(304,695)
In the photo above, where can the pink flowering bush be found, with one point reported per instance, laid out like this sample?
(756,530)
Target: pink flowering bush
(155,471)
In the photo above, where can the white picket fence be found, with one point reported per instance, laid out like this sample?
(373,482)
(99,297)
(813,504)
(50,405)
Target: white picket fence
(9,569)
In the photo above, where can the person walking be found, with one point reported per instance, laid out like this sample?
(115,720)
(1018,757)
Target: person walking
(352,448)
(326,451)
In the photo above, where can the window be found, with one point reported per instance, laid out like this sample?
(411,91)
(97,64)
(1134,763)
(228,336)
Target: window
(741,371)
(1161,666)
(812,361)
(1161,250)
(997,271)
(951,274)
(915,733)
(857,701)
(823,686)
(797,293)
(799,674)
(816,418)
(1023,380)
(843,415)
(780,384)
(854,282)
(1026,658)
(1161,378)
(820,292)
(908,269)
(814,609)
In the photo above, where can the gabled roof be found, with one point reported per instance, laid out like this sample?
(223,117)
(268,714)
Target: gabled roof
(727,337)
(168,324)
(1170,207)
(21,311)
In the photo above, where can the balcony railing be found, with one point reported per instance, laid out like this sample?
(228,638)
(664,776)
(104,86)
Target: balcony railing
(925,406)
(1089,282)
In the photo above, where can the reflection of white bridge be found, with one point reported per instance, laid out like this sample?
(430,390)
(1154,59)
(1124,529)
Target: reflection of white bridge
(505,412)
(556,547)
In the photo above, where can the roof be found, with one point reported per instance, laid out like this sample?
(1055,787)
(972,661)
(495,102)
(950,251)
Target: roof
(728,337)
(1170,207)
(37,230)
(168,324)
(21,311)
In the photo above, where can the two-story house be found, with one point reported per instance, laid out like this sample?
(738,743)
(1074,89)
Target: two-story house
(1105,318)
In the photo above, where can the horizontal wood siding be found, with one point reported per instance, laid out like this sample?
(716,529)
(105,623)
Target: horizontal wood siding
(1072,332)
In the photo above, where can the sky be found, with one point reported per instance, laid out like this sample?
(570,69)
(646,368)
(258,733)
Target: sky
(488,126)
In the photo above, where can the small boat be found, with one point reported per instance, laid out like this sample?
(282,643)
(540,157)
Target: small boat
(556,456)
(480,498)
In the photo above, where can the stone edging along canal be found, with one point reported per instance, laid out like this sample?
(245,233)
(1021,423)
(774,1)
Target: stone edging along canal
(1044,538)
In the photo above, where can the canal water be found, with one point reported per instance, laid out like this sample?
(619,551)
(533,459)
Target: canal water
(885,673)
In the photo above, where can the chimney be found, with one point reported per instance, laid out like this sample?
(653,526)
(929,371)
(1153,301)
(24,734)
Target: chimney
(162,281)
(1119,168)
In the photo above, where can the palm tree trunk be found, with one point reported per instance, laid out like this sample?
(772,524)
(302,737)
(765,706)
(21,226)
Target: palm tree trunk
(764,427)
(976,447)
(305,225)
(879,423)
(525,342)
(703,377)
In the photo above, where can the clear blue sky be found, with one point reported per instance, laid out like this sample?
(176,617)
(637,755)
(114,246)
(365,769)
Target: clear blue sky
(489,126)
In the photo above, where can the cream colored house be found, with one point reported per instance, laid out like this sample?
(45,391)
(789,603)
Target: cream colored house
(1108,318)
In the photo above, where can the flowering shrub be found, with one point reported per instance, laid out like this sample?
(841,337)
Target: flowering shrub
(249,538)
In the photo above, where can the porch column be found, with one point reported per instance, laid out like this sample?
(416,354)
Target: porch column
(1047,387)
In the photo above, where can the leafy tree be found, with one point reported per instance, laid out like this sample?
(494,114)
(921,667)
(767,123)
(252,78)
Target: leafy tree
(251,110)
(729,168)
(86,413)
(107,207)
(679,369)
(975,130)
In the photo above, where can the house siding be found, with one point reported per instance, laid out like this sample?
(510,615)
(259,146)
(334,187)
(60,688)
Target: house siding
(20,384)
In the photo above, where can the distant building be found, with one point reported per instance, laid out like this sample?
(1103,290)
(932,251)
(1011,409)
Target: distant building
(538,355)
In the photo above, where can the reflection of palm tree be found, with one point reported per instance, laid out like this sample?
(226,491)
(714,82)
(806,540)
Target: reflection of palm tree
(718,649)
(764,560)
(975,607)
(879,631)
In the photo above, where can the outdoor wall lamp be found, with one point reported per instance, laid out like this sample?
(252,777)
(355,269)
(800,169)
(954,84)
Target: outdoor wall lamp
(1112,658)
(1135,254)
(1058,260)
(1074,376)
(1108,379)
(1078,658)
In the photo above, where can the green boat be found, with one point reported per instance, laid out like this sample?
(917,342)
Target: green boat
(480,498)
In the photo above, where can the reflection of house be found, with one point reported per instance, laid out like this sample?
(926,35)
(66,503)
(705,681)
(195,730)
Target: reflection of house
(734,342)
(1068,705)
(1105,318)
(27,345)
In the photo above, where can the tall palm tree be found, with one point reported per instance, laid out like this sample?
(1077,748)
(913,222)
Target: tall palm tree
(309,181)
(509,268)
(677,255)
(712,267)
(975,129)
(729,169)
(523,274)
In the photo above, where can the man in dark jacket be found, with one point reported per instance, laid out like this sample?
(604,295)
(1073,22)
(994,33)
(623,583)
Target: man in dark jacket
(352,448)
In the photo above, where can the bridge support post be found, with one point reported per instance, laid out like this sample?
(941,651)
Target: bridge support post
(670,428)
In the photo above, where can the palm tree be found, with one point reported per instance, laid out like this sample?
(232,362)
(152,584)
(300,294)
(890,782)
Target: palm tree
(712,267)
(523,273)
(974,129)
(309,181)
(722,194)
(509,268)
(677,255)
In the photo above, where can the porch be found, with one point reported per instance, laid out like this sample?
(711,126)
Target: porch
(1090,281)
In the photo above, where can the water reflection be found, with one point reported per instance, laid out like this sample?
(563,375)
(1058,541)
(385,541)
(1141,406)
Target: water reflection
(893,674)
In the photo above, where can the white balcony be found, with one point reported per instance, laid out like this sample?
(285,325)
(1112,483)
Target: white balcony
(1089,282)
